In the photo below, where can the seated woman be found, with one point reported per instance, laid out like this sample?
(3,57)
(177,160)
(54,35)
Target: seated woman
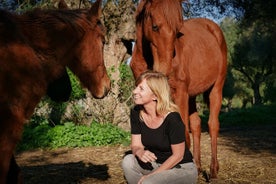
(159,154)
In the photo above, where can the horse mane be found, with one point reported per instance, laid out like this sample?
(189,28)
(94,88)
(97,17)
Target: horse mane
(54,18)
(174,18)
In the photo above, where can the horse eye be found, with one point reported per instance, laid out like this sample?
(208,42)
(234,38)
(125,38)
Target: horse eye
(155,27)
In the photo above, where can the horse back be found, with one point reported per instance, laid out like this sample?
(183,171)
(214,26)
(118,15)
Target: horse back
(200,55)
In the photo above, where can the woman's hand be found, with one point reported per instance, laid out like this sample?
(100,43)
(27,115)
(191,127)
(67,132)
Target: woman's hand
(147,156)
(141,179)
(138,149)
(144,177)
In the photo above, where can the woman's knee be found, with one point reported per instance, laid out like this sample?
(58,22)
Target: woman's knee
(128,161)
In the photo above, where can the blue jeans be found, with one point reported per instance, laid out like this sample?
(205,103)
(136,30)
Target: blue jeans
(185,174)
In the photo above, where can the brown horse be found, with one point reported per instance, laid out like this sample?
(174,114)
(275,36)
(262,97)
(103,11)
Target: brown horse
(35,49)
(193,54)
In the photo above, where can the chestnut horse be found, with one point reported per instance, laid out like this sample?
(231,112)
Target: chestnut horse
(193,54)
(35,49)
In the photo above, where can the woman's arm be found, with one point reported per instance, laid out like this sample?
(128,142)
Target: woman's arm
(138,149)
(136,144)
(175,158)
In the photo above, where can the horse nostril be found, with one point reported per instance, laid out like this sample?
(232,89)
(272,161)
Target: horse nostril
(174,53)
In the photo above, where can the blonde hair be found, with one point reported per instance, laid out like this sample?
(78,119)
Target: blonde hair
(158,83)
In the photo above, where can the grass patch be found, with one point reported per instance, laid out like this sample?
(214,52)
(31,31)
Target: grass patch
(39,134)
(71,135)
(263,115)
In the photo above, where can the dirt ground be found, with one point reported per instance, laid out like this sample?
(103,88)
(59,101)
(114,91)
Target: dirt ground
(245,156)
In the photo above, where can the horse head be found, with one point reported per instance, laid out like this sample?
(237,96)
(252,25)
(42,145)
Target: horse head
(60,88)
(88,62)
(158,24)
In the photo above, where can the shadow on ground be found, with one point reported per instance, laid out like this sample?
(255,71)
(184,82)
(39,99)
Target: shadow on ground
(64,173)
(253,138)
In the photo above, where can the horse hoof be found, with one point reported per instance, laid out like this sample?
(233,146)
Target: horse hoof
(206,176)
(213,174)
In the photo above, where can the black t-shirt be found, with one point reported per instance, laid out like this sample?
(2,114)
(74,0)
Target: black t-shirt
(159,140)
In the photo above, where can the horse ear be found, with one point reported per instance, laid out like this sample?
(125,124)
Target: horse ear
(62,5)
(96,9)
(140,8)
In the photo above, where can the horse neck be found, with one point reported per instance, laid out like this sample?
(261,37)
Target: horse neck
(46,33)
(51,38)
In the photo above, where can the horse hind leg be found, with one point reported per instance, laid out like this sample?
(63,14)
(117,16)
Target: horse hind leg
(215,98)
(195,125)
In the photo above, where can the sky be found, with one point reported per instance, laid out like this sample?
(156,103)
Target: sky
(211,12)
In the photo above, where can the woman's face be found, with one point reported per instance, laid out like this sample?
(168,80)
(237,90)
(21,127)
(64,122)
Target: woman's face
(142,94)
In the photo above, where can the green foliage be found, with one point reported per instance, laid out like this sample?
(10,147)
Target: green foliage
(262,115)
(58,108)
(126,83)
(71,135)
(251,59)
(229,27)
(41,135)
(77,91)
(57,111)
(37,120)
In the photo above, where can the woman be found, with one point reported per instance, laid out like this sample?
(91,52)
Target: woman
(157,136)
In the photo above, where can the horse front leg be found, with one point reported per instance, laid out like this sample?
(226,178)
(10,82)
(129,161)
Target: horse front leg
(6,152)
(195,124)
(10,134)
(213,124)
(14,174)
(4,165)
(181,99)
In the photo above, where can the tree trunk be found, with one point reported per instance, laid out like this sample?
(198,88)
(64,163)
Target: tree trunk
(257,99)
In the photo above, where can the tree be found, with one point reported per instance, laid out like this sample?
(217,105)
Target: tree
(229,27)
(254,58)
(251,46)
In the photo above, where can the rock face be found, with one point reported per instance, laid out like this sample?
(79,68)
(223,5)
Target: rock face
(120,34)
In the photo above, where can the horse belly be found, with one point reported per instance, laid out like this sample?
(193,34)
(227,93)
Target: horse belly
(201,78)
(198,71)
